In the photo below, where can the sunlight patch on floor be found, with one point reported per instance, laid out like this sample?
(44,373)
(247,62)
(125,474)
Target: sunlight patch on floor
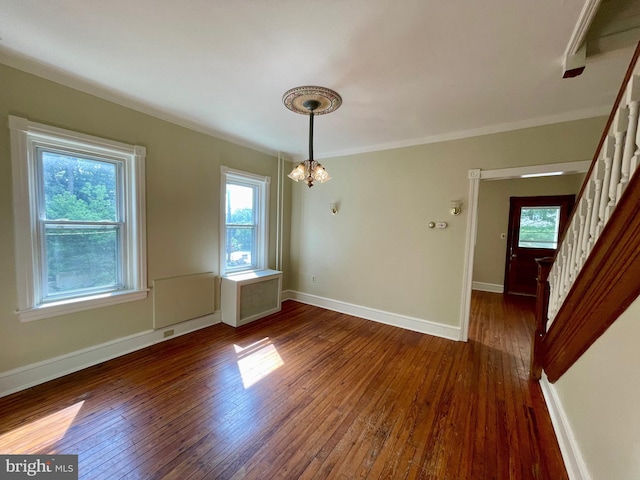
(40,434)
(257,360)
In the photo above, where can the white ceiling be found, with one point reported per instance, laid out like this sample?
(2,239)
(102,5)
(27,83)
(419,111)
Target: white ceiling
(408,71)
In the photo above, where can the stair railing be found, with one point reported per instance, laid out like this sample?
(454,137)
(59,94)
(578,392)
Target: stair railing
(614,166)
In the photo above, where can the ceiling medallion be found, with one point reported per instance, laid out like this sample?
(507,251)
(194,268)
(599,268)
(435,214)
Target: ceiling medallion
(327,99)
(311,101)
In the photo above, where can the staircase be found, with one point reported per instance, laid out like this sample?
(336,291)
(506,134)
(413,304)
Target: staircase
(595,274)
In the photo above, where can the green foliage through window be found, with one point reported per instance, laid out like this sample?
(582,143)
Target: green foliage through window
(80,255)
(539,227)
(240,225)
(79,189)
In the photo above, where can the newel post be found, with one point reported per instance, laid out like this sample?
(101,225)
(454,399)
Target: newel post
(542,309)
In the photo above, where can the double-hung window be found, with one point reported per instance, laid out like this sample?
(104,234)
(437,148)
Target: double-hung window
(79,217)
(244,221)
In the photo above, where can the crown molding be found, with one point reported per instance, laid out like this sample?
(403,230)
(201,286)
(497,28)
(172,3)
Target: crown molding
(475,132)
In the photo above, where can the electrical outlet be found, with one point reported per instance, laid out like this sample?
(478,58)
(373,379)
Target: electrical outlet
(168,333)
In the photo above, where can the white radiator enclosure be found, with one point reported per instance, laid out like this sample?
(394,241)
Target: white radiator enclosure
(246,297)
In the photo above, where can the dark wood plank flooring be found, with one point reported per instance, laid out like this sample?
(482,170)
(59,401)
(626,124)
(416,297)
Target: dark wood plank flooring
(334,396)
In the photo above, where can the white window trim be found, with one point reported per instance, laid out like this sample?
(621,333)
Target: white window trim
(24,135)
(262,249)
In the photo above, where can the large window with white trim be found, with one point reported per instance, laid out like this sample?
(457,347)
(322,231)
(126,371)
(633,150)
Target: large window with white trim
(79,214)
(244,221)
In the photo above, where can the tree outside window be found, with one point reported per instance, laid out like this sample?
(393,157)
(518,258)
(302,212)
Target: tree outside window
(82,228)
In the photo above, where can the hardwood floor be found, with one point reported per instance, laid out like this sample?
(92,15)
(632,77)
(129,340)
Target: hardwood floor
(334,396)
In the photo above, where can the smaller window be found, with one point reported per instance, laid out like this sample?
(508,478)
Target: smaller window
(244,221)
(539,227)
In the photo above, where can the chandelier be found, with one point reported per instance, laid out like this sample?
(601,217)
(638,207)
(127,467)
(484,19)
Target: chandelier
(311,101)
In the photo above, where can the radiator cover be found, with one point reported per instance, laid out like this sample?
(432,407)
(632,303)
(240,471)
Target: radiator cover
(246,297)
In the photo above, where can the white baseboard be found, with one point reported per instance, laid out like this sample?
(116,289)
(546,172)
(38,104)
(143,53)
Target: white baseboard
(573,460)
(487,287)
(410,323)
(24,377)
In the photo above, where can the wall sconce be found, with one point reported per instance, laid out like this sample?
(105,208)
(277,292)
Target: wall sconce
(456,207)
(334,208)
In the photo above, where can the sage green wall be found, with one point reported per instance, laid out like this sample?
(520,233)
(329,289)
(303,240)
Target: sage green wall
(183,204)
(378,252)
(493,218)
(599,395)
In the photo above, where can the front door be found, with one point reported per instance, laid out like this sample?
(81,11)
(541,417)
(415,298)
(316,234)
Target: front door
(535,224)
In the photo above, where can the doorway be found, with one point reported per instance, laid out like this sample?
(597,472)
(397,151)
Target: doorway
(476,177)
(535,225)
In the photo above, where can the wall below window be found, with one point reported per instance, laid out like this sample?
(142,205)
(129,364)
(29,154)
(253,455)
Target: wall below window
(183,208)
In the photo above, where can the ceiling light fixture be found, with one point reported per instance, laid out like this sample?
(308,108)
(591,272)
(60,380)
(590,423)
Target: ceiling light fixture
(311,101)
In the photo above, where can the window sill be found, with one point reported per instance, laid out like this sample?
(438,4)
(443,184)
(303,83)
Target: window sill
(251,274)
(64,307)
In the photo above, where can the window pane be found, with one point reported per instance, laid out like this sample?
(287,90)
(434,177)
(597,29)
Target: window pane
(240,246)
(80,258)
(78,188)
(539,227)
(240,205)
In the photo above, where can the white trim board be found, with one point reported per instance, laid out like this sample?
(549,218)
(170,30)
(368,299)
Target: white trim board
(487,287)
(573,460)
(24,377)
(388,318)
(566,168)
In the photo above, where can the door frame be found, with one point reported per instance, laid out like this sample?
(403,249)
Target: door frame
(475,176)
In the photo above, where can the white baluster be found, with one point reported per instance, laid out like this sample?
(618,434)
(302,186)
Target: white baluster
(551,312)
(619,128)
(633,133)
(574,250)
(564,272)
(589,197)
(561,257)
(585,218)
(566,267)
(633,97)
(634,160)
(553,292)
(559,273)
(571,259)
(594,214)
(607,158)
